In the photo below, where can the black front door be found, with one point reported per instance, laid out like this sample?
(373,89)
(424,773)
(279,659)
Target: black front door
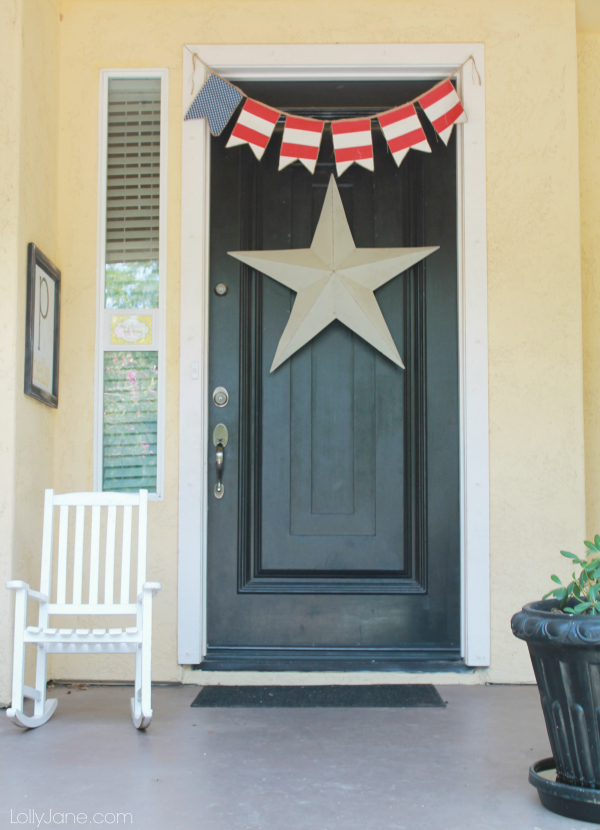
(336,543)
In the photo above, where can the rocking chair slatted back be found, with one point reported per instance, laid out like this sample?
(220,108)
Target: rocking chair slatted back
(95,555)
(78,558)
(111,504)
(109,564)
(126,554)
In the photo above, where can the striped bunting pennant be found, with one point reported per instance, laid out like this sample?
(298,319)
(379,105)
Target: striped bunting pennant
(403,131)
(301,140)
(352,142)
(443,108)
(254,127)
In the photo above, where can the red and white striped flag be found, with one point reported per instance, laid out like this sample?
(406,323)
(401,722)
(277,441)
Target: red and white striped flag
(403,131)
(301,140)
(443,108)
(352,142)
(254,126)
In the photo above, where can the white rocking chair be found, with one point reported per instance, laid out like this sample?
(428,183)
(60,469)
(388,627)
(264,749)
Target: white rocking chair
(136,640)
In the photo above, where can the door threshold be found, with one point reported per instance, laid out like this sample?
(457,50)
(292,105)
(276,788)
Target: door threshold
(327,660)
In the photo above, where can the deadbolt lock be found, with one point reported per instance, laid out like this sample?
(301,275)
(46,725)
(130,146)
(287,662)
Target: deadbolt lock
(220,396)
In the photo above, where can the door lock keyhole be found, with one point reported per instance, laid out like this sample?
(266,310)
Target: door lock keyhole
(221,396)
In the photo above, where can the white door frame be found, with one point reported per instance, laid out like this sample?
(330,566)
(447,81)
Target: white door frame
(324,62)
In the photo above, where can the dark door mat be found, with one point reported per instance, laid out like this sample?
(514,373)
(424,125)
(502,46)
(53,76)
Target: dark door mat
(399,696)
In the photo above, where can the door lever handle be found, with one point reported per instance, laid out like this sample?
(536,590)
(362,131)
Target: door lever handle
(220,456)
(220,439)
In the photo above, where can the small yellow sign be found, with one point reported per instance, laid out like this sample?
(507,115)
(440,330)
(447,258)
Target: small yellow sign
(131,331)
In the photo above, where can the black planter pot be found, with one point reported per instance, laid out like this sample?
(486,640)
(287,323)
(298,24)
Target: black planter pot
(565,653)
(581,803)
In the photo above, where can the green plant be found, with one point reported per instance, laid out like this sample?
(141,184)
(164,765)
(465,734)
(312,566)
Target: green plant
(583,588)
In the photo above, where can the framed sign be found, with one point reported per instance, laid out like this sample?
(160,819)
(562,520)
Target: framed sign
(42,328)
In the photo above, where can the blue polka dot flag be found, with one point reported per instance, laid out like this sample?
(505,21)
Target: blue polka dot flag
(216,102)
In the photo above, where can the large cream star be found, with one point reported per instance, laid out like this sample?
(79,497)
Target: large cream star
(334,280)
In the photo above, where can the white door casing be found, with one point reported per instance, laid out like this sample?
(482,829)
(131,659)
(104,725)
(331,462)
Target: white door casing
(336,62)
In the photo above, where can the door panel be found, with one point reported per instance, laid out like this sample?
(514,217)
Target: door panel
(337,538)
(333,470)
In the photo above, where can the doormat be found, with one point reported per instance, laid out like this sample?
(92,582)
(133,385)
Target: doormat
(269,697)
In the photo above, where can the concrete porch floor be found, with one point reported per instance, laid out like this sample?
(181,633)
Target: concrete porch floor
(461,767)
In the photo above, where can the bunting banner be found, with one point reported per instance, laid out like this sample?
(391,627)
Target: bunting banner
(402,126)
(254,126)
(216,101)
(301,142)
(352,142)
(403,132)
(443,108)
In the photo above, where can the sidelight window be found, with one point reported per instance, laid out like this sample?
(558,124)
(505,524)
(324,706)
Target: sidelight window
(129,428)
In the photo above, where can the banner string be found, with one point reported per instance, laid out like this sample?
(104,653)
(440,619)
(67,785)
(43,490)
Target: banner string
(196,57)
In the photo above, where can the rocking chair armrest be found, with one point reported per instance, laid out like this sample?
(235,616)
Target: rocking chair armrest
(18,585)
(151,587)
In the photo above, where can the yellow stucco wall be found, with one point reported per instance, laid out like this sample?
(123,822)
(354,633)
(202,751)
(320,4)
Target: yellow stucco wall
(38,223)
(50,105)
(10,102)
(29,45)
(588,45)
(535,358)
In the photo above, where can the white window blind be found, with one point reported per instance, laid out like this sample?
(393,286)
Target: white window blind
(130,387)
(133,170)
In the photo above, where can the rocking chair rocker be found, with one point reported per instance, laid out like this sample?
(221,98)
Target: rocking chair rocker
(70,601)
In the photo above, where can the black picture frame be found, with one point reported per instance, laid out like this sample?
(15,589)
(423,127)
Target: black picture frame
(42,330)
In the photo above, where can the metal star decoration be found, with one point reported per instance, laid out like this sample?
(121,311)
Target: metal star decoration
(334,280)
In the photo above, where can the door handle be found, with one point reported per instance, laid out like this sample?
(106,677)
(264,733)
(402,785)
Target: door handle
(220,438)
(220,456)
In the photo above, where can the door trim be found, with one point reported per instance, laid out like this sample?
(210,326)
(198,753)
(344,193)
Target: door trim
(331,62)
